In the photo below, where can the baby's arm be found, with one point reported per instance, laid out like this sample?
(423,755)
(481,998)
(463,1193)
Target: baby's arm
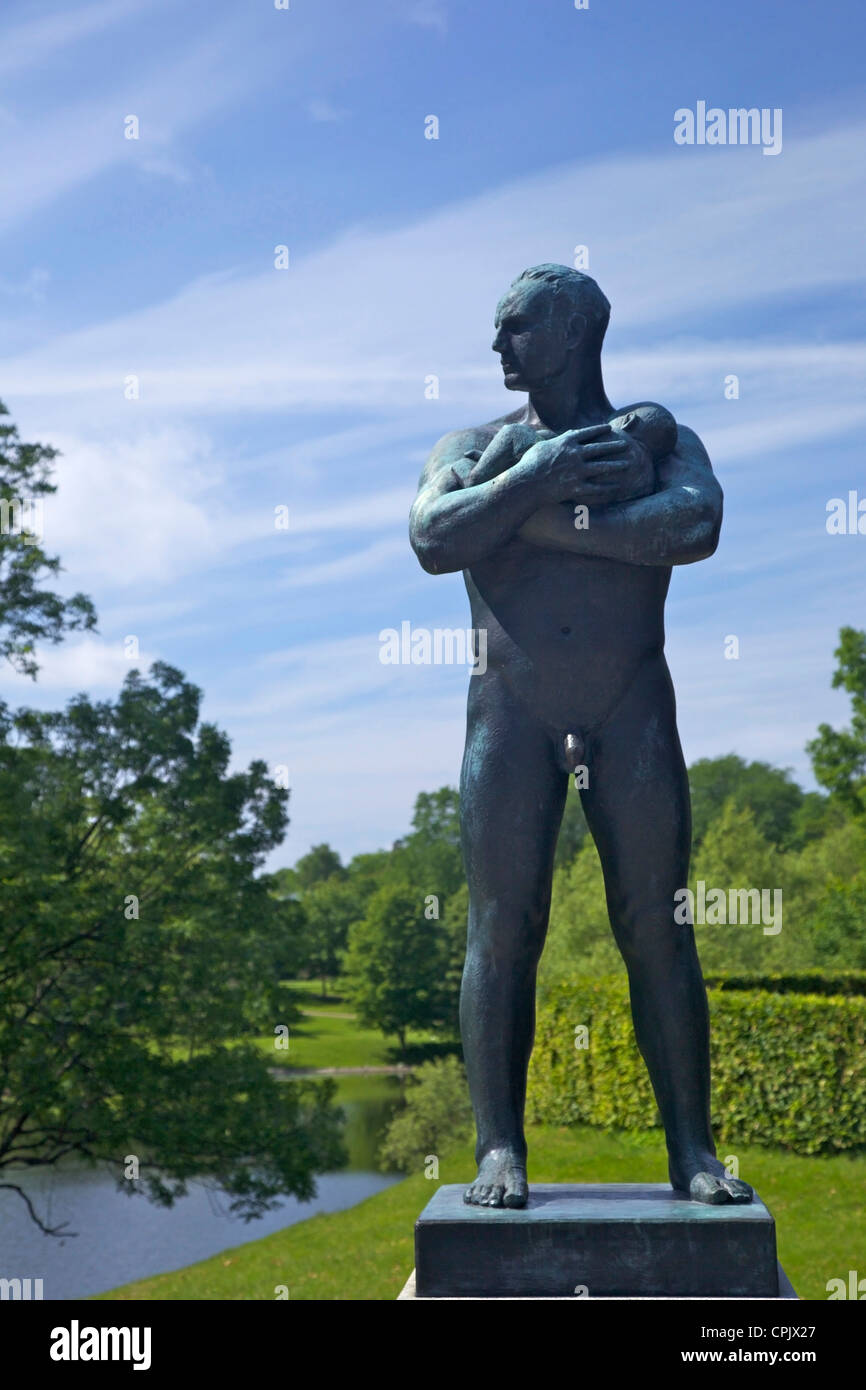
(505,449)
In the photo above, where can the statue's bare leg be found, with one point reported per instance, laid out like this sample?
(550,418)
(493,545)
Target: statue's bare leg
(512,794)
(637,806)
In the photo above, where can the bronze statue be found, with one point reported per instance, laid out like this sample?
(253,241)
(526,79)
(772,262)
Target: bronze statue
(566,517)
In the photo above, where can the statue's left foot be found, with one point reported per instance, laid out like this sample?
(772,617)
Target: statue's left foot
(706,1179)
(501,1181)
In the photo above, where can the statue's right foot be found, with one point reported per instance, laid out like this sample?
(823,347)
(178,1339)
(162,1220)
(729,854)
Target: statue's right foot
(501,1180)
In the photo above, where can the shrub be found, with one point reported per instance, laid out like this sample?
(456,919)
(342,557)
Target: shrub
(789,1069)
(436,1114)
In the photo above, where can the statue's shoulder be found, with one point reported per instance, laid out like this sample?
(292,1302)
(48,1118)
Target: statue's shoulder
(476,435)
(456,444)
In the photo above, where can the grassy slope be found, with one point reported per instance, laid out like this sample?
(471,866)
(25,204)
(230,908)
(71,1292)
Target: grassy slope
(366,1252)
(330,1042)
(307,994)
(328,1035)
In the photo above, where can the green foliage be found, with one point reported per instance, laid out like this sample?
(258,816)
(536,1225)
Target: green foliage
(429,859)
(822,903)
(788,1069)
(138,944)
(579,937)
(838,924)
(454,926)
(318,866)
(437,1114)
(818,815)
(567,1080)
(845,982)
(291,954)
(735,854)
(329,907)
(574,831)
(839,756)
(29,613)
(770,793)
(284,884)
(393,965)
(370,871)
(436,816)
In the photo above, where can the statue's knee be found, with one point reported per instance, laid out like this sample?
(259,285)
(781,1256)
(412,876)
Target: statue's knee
(502,938)
(647,933)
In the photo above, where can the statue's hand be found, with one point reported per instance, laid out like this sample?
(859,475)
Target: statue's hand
(621,478)
(571,465)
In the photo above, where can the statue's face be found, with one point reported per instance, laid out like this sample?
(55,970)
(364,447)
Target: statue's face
(535,333)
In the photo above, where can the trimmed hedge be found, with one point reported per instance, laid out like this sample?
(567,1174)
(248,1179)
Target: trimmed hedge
(849,982)
(788,1069)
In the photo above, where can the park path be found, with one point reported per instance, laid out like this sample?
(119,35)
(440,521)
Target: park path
(326,1013)
(399,1069)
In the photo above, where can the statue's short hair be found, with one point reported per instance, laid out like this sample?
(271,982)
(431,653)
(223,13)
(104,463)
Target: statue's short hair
(580,292)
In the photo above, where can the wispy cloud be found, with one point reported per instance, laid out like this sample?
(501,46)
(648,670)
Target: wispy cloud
(360,325)
(24,46)
(72,143)
(83,663)
(359,562)
(429,14)
(31,288)
(325,111)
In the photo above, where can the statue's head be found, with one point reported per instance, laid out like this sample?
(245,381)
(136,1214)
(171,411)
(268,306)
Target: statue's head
(549,313)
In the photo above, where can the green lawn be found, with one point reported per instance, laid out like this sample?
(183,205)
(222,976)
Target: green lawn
(367,1252)
(328,1035)
(330,1042)
(327,1038)
(307,994)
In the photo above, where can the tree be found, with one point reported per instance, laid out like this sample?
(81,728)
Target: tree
(393,966)
(319,865)
(330,907)
(573,830)
(437,1114)
(291,928)
(579,939)
(771,794)
(370,871)
(840,942)
(430,858)
(436,816)
(735,854)
(839,756)
(140,953)
(29,613)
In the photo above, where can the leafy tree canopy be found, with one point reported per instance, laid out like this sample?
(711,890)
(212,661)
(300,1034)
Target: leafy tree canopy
(839,756)
(30,612)
(394,963)
(138,945)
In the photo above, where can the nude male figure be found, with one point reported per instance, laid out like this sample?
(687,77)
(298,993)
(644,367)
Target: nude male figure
(576,675)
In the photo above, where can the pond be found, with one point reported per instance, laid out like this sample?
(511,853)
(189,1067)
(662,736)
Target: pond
(122,1238)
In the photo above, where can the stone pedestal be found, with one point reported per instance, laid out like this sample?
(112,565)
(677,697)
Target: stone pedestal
(609,1240)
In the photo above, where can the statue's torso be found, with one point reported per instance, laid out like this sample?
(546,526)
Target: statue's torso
(566,631)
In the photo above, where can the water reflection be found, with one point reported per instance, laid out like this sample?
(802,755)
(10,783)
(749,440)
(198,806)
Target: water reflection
(122,1238)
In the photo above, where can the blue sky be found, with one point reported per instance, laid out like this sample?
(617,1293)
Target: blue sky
(305,387)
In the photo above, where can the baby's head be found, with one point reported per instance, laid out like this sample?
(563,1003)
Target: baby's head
(651,425)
